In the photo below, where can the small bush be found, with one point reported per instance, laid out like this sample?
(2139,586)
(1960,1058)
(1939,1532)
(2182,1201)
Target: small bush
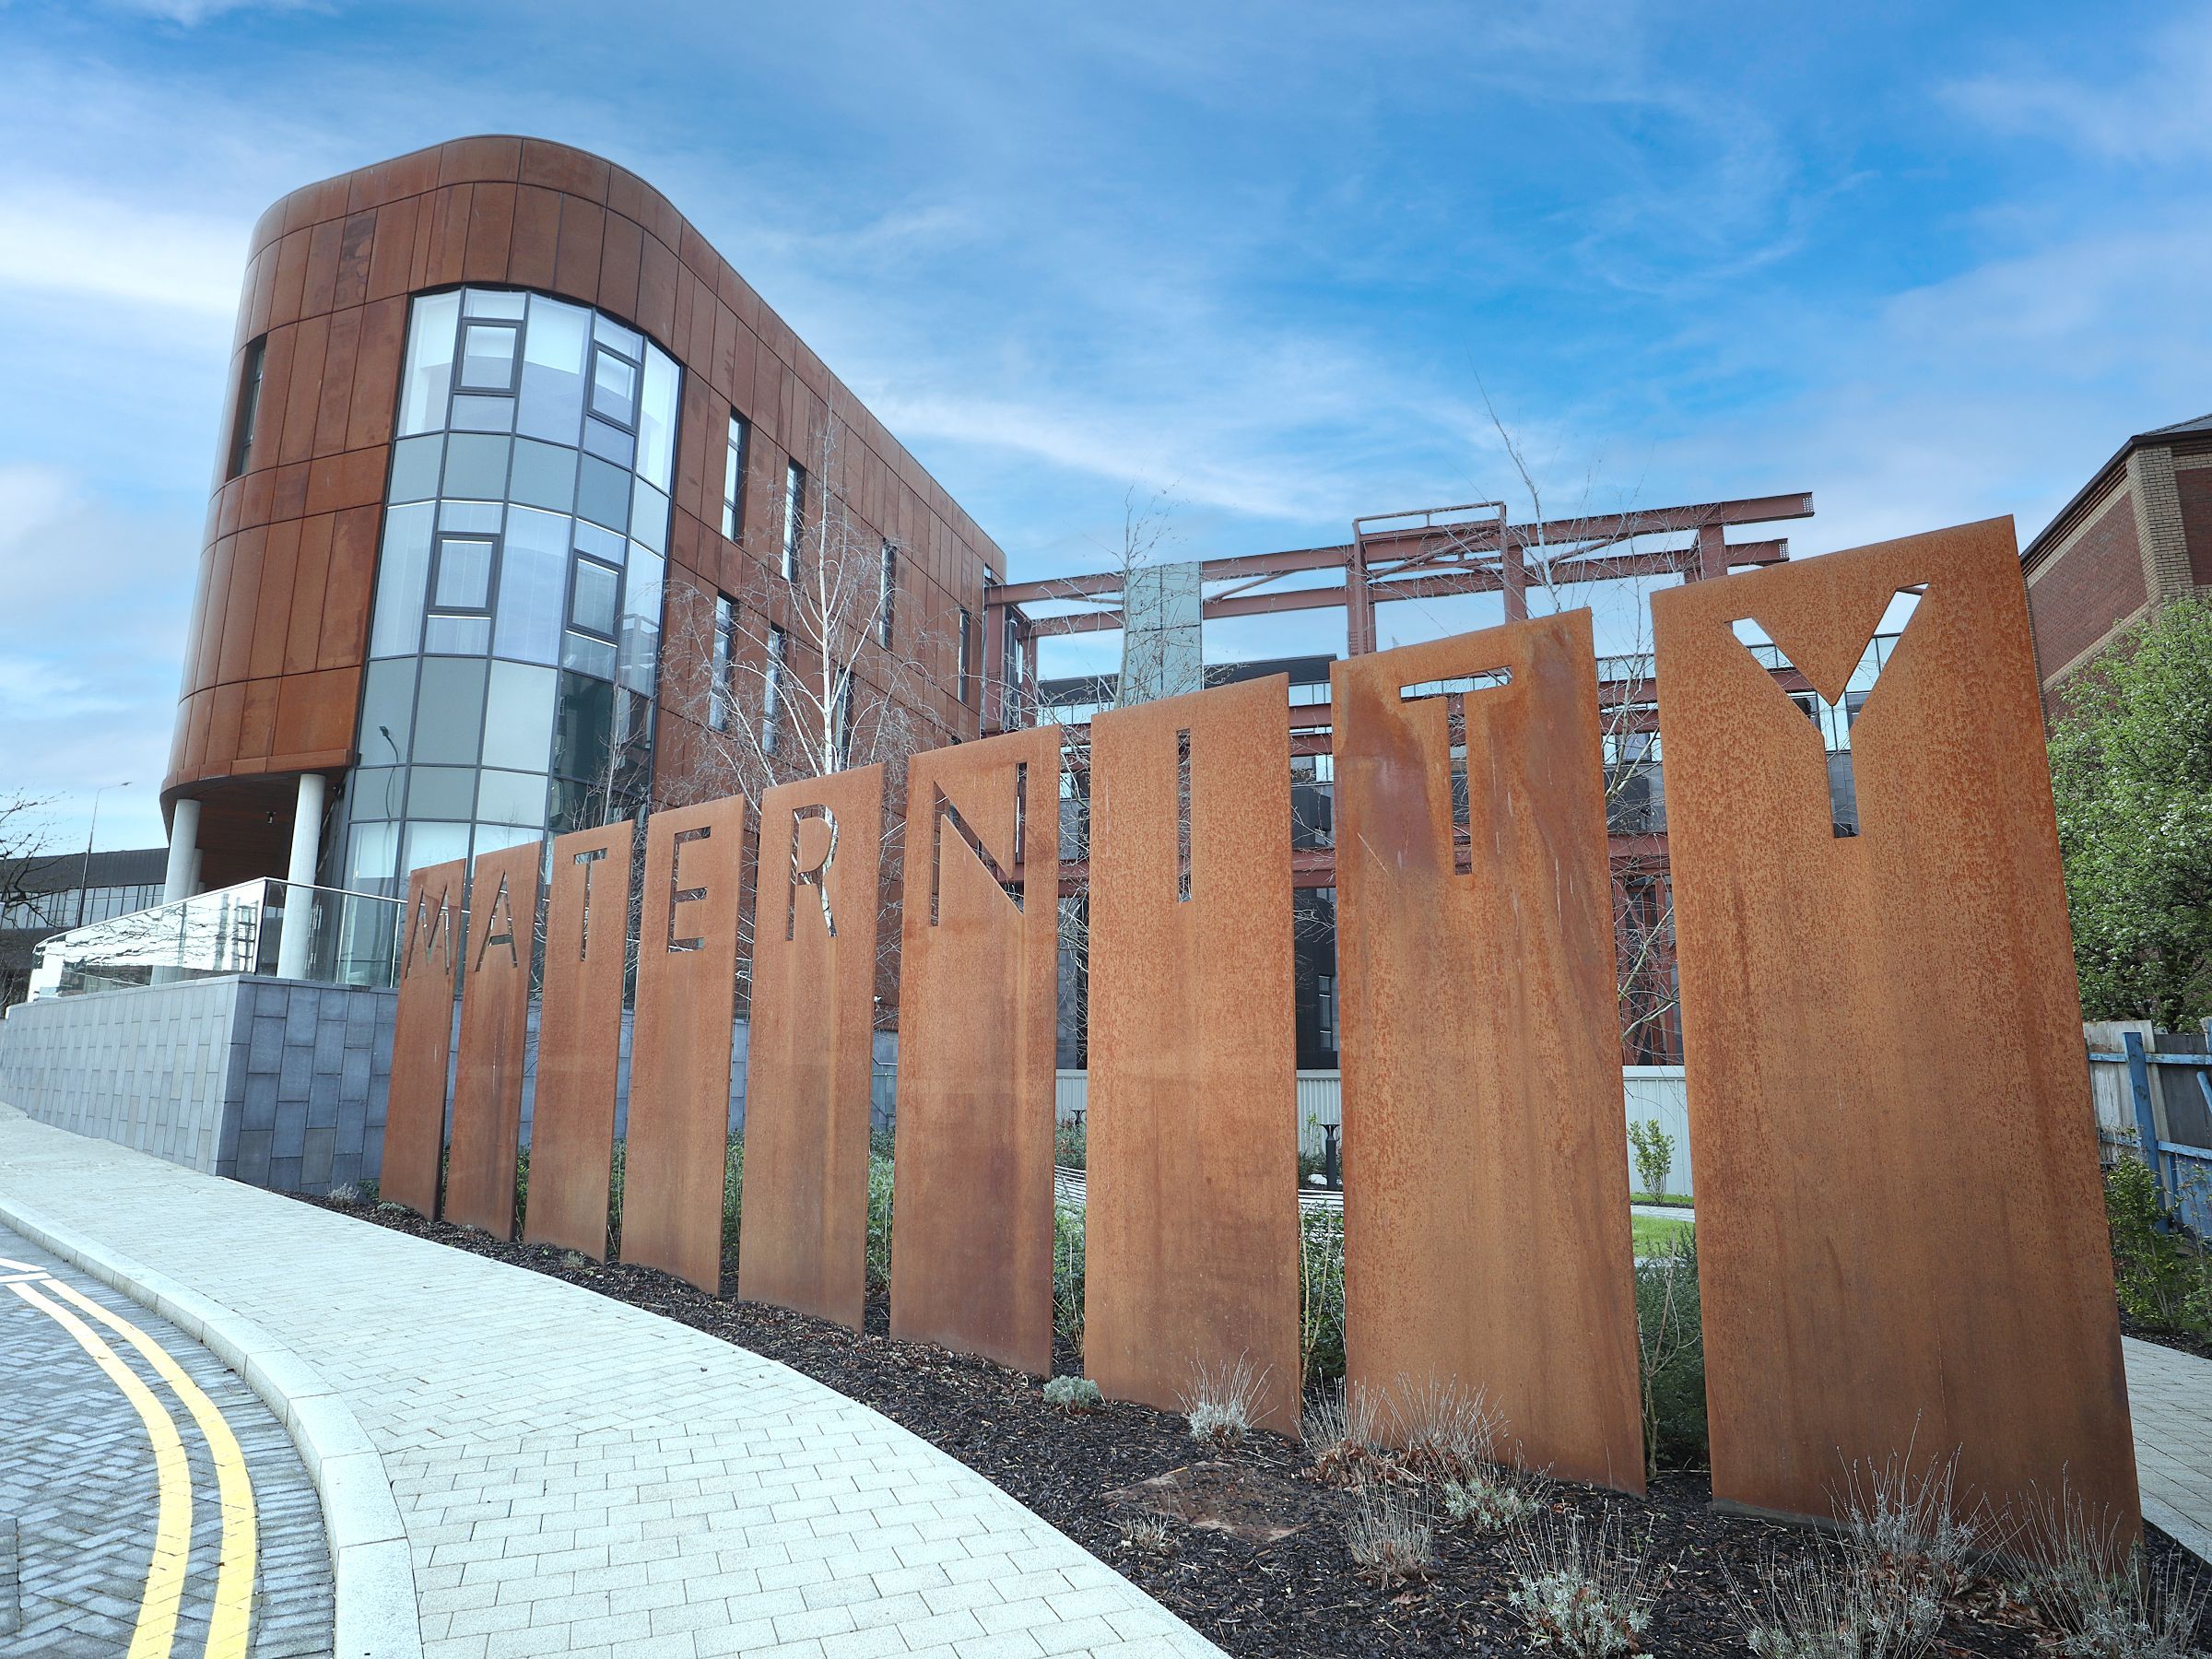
(1835,1603)
(1654,1153)
(384,1208)
(1587,1592)
(1074,1395)
(879,1222)
(2104,1601)
(1494,1500)
(1147,1532)
(1671,1337)
(1069,1152)
(1321,1295)
(1221,1401)
(2164,1279)
(345,1192)
(1910,1527)
(1343,1433)
(1389,1534)
(1067,1275)
(1448,1433)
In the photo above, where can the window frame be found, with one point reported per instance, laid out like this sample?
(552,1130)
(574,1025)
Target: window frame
(795,517)
(246,416)
(964,661)
(578,559)
(772,694)
(721,667)
(887,593)
(736,459)
(461,387)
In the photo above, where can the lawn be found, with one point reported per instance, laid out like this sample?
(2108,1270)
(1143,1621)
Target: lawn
(1653,1233)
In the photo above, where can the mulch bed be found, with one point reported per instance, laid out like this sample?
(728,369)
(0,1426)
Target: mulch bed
(1255,1556)
(2187,1342)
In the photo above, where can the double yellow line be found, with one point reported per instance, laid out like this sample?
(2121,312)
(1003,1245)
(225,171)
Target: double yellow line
(230,1621)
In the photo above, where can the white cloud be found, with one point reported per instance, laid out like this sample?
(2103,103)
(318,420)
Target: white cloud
(59,238)
(2158,114)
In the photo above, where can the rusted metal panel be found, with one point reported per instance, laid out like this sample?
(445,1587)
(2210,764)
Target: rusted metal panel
(679,1066)
(971,1263)
(495,1028)
(808,1053)
(1487,1237)
(422,1037)
(1901,1232)
(579,1040)
(1192,1210)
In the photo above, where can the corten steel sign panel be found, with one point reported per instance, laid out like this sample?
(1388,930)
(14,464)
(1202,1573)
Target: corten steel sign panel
(422,1037)
(1487,1237)
(1902,1237)
(971,1241)
(495,1026)
(579,1040)
(679,1068)
(1192,1213)
(804,1237)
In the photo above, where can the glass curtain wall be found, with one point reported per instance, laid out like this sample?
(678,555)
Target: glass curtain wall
(516,631)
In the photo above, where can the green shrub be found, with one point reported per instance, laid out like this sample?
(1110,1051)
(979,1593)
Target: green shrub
(2164,1279)
(1671,1336)
(879,1222)
(1074,1395)
(1069,1152)
(1654,1153)
(1321,1295)
(1067,1275)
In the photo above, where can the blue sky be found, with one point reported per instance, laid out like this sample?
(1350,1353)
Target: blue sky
(1930,262)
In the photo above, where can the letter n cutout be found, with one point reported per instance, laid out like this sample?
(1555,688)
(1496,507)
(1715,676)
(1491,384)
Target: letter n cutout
(810,1050)
(1900,1230)
(972,1242)
(679,1072)
(1486,1239)
(422,1037)
(1192,1212)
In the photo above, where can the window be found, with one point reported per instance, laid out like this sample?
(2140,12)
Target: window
(592,595)
(1324,989)
(795,518)
(249,406)
(965,623)
(722,695)
(844,722)
(771,692)
(460,618)
(733,477)
(613,388)
(886,593)
(488,352)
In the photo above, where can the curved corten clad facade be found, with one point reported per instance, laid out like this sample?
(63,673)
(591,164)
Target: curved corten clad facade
(279,629)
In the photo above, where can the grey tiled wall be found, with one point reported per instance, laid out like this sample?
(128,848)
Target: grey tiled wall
(275,1082)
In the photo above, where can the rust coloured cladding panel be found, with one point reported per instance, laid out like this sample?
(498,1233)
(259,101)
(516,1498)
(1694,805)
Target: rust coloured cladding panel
(1486,1236)
(422,1037)
(971,1239)
(580,1040)
(810,1047)
(495,1025)
(1902,1237)
(679,1072)
(1192,1214)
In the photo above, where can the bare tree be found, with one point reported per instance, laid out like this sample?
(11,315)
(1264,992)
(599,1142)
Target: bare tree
(824,659)
(27,865)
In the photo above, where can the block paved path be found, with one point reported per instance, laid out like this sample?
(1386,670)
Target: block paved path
(2170,1396)
(577,1476)
(78,1486)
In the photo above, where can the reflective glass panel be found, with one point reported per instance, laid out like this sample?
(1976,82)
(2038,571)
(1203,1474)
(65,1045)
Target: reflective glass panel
(457,636)
(534,566)
(376,792)
(593,606)
(637,636)
(373,856)
(584,730)
(494,302)
(649,516)
(429,373)
(628,341)
(465,516)
(656,420)
(387,712)
(449,711)
(611,442)
(441,792)
(507,797)
(463,573)
(602,493)
(487,357)
(402,568)
(544,476)
(415,463)
(491,838)
(475,465)
(587,654)
(602,545)
(518,717)
(613,388)
(553,371)
(435,844)
(482,414)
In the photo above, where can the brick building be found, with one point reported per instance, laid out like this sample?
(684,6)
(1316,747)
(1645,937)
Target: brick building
(2136,536)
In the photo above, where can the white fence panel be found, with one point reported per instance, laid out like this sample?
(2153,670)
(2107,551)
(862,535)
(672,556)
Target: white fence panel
(1662,1093)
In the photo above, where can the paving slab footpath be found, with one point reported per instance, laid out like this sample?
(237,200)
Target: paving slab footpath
(563,1474)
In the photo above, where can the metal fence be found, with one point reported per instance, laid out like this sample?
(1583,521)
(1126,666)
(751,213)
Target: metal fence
(2166,1094)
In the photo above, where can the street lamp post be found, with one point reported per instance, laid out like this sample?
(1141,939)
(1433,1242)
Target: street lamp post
(83,871)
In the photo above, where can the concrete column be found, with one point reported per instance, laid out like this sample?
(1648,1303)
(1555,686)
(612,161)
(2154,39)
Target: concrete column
(292,951)
(184,851)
